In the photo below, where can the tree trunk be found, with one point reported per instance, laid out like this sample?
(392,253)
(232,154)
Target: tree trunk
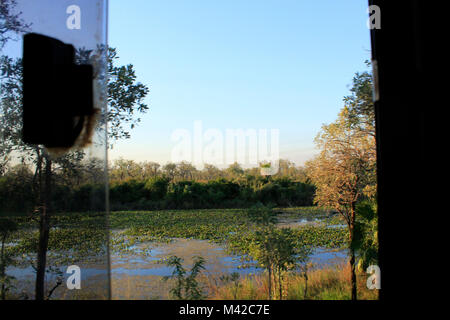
(353,280)
(352,253)
(306,285)
(44,228)
(270,283)
(37,179)
(280,284)
(2,268)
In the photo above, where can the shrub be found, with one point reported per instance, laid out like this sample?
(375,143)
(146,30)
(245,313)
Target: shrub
(156,188)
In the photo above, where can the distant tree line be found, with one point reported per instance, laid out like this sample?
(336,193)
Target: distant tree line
(123,170)
(149,186)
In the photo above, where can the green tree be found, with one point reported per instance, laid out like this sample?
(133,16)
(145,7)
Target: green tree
(275,250)
(123,170)
(151,169)
(234,171)
(125,98)
(186,171)
(359,104)
(170,170)
(156,188)
(211,172)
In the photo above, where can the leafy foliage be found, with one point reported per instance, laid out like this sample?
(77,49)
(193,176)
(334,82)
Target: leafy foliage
(186,285)
(7,226)
(10,22)
(344,172)
(366,234)
(274,249)
(125,97)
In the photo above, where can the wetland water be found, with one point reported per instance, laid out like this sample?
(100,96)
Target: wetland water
(138,273)
(145,273)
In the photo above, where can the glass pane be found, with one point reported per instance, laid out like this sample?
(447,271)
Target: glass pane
(59,193)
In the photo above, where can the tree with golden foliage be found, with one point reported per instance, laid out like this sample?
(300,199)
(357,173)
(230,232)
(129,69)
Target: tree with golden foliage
(344,172)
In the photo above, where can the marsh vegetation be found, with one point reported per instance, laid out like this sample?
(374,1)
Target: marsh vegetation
(146,244)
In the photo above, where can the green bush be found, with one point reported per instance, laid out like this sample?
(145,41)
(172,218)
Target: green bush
(156,188)
(157,193)
(16,194)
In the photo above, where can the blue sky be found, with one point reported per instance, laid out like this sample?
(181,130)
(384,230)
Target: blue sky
(233,64)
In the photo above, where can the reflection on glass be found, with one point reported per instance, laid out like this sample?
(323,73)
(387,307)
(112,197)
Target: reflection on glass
(53,214)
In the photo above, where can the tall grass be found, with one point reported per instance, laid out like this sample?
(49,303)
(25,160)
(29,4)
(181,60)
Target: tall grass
(331,283)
